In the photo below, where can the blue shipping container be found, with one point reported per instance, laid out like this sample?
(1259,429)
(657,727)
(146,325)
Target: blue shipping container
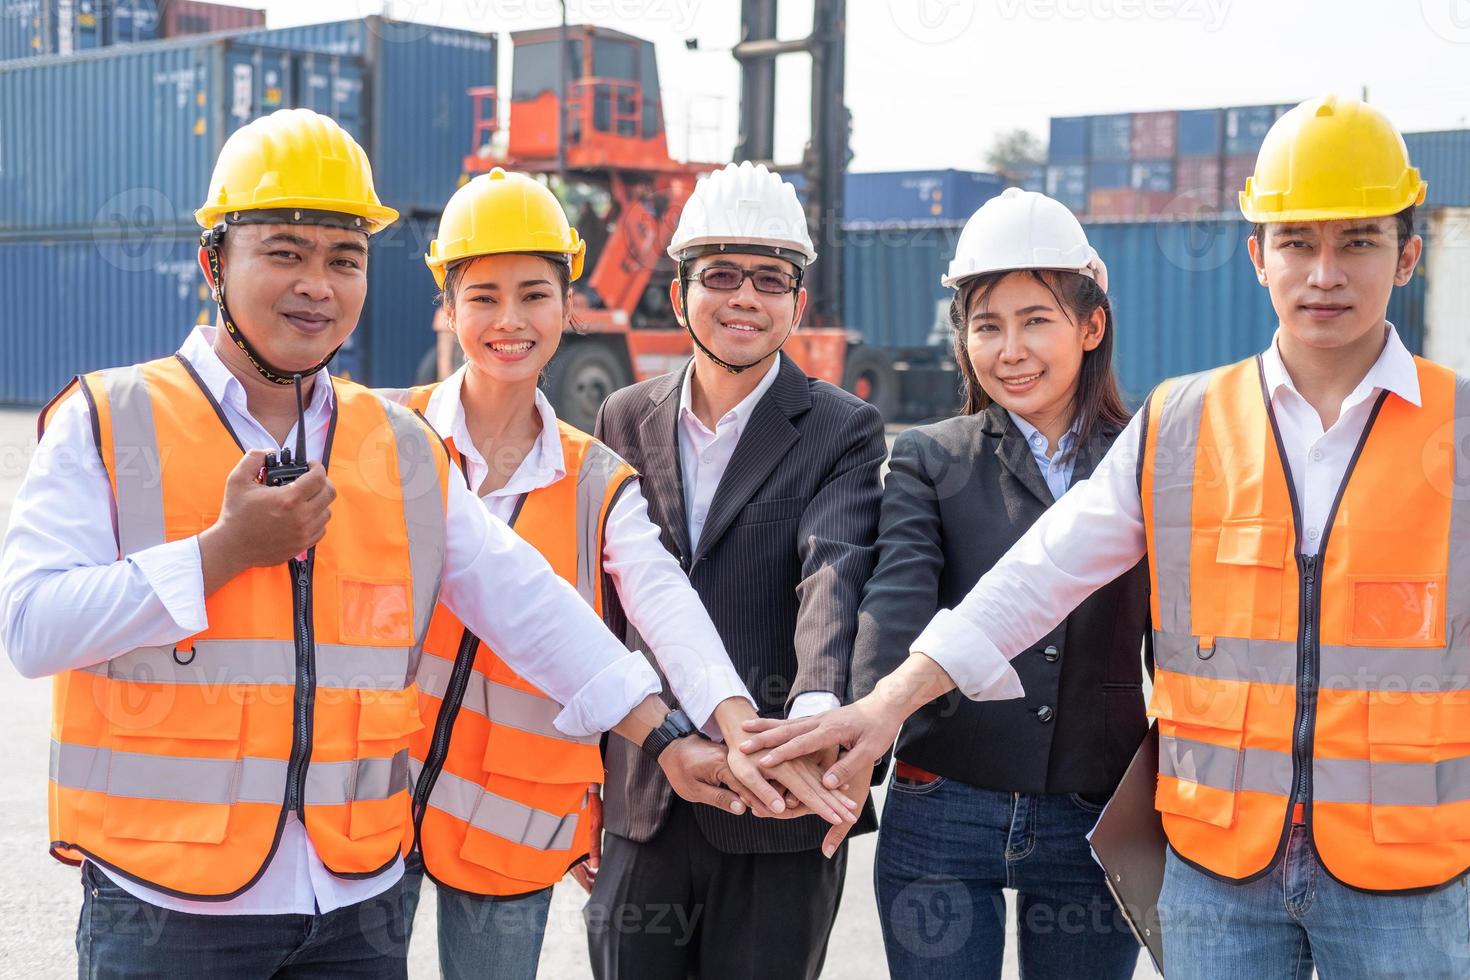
(107,301)
(890,283)
(1200,132)
(30,28)
(422,119)
(1246,127)
(1068,140)
(1443,160)
(1030,179)
(911,196)
(23,28)
(1153,175)
(1068,184)
(1110,137)
(1108,175)
(129,135)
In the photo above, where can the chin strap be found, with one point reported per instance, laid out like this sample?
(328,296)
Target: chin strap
(211,241)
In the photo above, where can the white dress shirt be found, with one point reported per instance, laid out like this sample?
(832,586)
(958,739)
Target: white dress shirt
(703,457)
(1056,468)
(66,601)
(1095,533)
(653,590)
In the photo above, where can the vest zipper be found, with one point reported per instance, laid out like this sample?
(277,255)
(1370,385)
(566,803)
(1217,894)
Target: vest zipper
(459,680)
(305,697)
(1306,681)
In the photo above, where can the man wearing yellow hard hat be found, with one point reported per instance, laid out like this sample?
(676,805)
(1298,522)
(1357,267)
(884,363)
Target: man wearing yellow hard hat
(1308,537)
(234,634)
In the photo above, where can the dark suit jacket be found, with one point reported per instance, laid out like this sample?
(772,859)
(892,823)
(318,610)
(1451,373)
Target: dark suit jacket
(780,566)
(959,493)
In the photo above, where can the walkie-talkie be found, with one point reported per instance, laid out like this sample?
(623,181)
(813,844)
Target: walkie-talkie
(279,472)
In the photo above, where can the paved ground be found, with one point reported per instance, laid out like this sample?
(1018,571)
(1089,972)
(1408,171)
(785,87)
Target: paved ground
(40,898)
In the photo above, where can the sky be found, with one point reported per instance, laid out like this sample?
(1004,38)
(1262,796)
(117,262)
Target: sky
(931,82)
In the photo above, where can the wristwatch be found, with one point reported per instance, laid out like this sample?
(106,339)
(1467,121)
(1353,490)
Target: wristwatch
(676,725)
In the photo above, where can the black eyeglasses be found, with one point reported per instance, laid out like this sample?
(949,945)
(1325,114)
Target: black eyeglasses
(728,278)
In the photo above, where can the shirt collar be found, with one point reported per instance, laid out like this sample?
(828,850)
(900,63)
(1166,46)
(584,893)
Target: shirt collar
(225,388)
(741,413)
(1030,431)
(1394,371)
(543,466)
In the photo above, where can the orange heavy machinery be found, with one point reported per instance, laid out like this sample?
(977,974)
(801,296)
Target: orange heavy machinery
(624,193)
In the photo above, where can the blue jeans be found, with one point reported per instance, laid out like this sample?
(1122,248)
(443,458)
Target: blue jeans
(1284,923)
(120,937)
(483,937)
(947,849)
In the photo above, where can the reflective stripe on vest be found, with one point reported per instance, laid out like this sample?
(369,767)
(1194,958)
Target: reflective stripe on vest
(503,811)
(175,764)
(1383,728)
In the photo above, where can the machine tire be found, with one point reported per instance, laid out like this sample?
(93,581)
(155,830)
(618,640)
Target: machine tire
(868,374)
(581,376)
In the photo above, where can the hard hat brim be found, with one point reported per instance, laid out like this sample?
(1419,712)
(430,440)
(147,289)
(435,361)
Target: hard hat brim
(377,216)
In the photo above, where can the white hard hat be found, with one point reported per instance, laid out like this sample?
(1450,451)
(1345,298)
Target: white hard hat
(743,204)
(1023,230)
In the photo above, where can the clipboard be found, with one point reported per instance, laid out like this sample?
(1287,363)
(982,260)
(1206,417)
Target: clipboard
(1128,842)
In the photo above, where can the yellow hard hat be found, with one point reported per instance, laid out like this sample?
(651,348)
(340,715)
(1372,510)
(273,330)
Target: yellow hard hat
(502,212)
(1331,158)
(294,159)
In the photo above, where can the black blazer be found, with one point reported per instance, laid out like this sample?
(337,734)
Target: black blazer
(959,493)
(780,566)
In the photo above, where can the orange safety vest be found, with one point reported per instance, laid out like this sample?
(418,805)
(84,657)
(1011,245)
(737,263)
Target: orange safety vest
(1338,679)
(175,766)
(500,794)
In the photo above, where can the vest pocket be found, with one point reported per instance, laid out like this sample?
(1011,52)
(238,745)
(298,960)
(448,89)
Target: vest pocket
(1390,610)
(527,832)
(380,801)
(1418,767)
(1251,556)
(177,779)
(1201,735)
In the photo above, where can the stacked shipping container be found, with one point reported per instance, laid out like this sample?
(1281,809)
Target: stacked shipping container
(32,28)
(106,154)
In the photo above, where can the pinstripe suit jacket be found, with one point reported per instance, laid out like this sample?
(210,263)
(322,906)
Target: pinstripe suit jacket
(781,564)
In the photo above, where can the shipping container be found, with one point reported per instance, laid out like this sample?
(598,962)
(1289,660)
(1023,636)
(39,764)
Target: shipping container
(182,18)
(1446,271)
(422,120)
(1029,179)
(1126,202)
(1155,135)
(1443,159)
(1199,179)
(108,300)
(129,21)
(158,114)
(130,134)
(1153,175)
(1108,174)
(1110,137)
(1201,132)
(1246,127)
(1068,184)
(1234,175)
(23,28)
(31,28)
(1068,142)
(917,195)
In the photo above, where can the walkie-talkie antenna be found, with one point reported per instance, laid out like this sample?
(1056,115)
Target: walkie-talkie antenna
(300,423)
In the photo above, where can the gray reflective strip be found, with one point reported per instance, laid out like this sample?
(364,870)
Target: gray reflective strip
(1457,586)
(332,783)
(1394,669)
(137,470)
(398,396)
(516,822)
(423,511)
(185,779)
(598,466)
(1174,452)
(339,666)
(504,705)
(1259,770)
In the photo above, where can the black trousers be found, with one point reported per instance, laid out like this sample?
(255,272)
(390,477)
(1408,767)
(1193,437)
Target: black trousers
(676,908)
